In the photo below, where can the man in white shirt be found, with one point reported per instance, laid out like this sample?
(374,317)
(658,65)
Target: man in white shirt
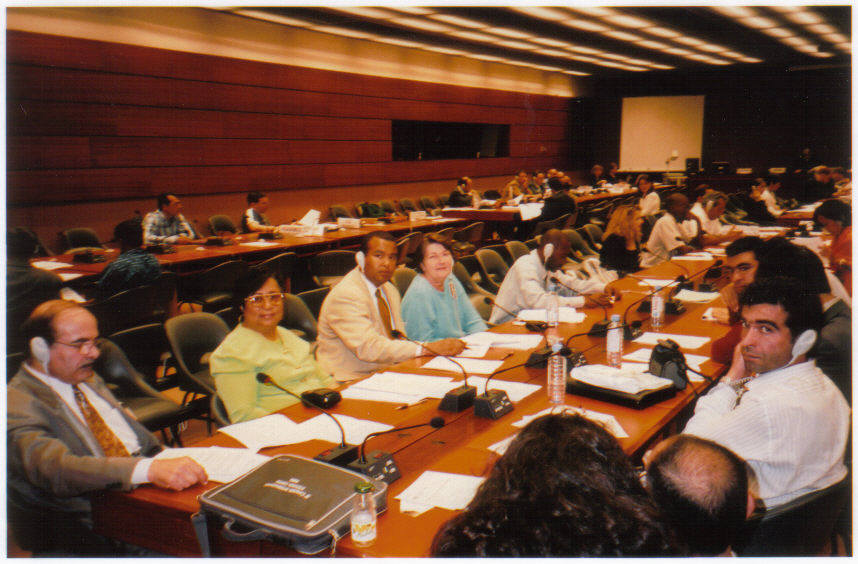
(529,281)
(709,211)
(68,437)
(774,407)
(673,234)
(770,187)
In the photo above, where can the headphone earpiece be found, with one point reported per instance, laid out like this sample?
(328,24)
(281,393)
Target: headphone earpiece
(360,259)
(41,351)
(803,344)
(548,250)
(710,204)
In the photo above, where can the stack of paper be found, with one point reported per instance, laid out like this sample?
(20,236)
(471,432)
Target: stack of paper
(684,341)
(522,342)
(439,489)
(530,211)
(691,296)
(567,315)
(221,464)
(259,244)
(609,422)
(50,264)
(632,378)
(500,447)
(655,282)
(396,387)
(471,365)
(699,255)
(515,390)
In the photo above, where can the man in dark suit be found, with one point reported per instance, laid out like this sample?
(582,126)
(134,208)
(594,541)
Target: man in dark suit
(559,203)
(68,437)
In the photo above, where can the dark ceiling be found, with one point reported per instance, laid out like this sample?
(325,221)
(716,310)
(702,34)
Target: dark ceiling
(596,41)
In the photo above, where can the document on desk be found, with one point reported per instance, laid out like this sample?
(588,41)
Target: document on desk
(500,447)
(699,255)
(515,390)
(51,264)
(321,427)
(368,394)
(471,365)
(221,464)
(420,385)
(475,351)
(632,378)
(693,297)
(530,211)
(517,341)
(310,218)
(609,422)
(259,244)
(684,341)
(567,315)
(439,489)
(692,360)
(655,282)
(272,430)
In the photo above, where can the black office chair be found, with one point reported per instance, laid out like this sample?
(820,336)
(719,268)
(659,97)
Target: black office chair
(580,249)
(427,204)
(153,410)
(213,288)
(402,278)
(502,250)
(298,318)
(516,250)
(148,350)
(387,206)
(446,233)
(230,316)
(80,238)
(468,239)
(219,224)
(443,199)
(130,308)
(592,235)
(407,246)
(468,282)
(218,412)
(340,211)
(492,268)
(329,267)
(407,205)
(283,265)
(314,298)
(491,195)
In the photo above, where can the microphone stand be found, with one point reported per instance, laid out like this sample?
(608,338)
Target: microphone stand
(341,454)
(457,399)
(535,326)
(600,327)
(381,465)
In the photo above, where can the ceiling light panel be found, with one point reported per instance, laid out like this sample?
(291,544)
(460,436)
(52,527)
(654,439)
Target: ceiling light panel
(804,17)
(549,42)
(586,25)
(659,31)
(653,44)
(822,29)
(344,31)
(542,13)
(456,20)
(373,13)
(759,22)
(417,11)
(424,24)
(777,32)
(595,12)
(517,45)
(629,21)
(735,12)
(507,32)
(623,36)
(686,40)
(474,36)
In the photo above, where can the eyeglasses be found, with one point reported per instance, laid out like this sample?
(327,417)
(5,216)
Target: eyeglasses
(85,344)
(273,298)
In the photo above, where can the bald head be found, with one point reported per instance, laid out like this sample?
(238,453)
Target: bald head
(677,205)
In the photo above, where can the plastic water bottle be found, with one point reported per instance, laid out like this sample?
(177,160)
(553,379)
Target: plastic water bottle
(615,342)
(657,311)
(556,384)
(364,520)
(552,309)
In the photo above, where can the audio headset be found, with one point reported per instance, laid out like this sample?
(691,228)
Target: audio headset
(41,351)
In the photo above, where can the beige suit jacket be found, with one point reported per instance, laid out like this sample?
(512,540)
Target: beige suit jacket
(352,340)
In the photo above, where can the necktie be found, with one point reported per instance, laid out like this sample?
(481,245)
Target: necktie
(110,443)
(384,311)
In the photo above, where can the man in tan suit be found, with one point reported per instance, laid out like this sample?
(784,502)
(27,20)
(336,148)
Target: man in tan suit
(360,318)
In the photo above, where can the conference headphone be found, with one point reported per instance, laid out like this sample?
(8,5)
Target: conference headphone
(547,250)
(360,259)
(803,344)
(41,351)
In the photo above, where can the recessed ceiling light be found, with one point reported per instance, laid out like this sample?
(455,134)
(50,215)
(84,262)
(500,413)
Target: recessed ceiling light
(845,47)
(822,29)
(629,21)
(507,32)
(551,52)
(804,17)
(294,22)
(517,45)
(836,38)
(653,44)
(623,36)
(455,20)
(542,13)
(549,42)
(374,13)
(758,22)
(777,32)
(582,49)
(785,9)
(735,11)
(678,51)
(586,25)
(417,11)
(421,23)
(596,12)
(616,57)
(821,54)
(662,32)
(344,31)
(750,60)
(689,41)
(661,67)
(485,57)
(712,48)
(795,41)
(445,51)
(576,73)
(807,48)
(474,36)
(400,42)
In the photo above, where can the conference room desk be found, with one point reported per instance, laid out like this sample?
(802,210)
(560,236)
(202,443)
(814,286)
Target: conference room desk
(160,520)
(794,218)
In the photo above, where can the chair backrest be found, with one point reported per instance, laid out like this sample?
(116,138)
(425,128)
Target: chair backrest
(407,204)
(298,317)
(407,245)
(580,248)
(148,350)
(593,234)
(427,204)
(132,307)
(443,199)
(492,268)
(491,195)
(502,251)
(368,209)
(283,265)
(532,243)
(119,374)
(516,249)
(472,233)
(80,237)
(218,411)
(220,224)
(192,337)
(446,233)
(329,267)
(213,287)
(314,299)
(229,315)
(402,278)
(339,211)
(543,226)
(563,221)
(387,206)
(483,307)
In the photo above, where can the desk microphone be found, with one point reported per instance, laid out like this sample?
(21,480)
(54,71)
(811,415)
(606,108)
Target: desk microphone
(380,465)
(600,327)
(341,454)
(457,399)
(535,326)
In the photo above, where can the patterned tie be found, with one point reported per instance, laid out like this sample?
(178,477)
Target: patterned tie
(384,311)
(110,443)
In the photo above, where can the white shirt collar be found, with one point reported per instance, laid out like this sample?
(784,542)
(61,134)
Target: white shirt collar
(783,372)
(52,382)
(369,285)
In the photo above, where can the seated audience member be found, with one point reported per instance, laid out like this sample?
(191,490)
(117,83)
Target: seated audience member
(133,267)
(254,220)
(836,218)
(842,183)
(360,320)
(463,195)
(559,203)
(613,174)
(650,203)
(622,240)
(259,344)
(709,211)
(821,186)
(752,204)
(26,286)
(564,487)
(675,233)
(702,490)
(167,225)
(540,182)
(804,162)
(774,407)
(742,258)
(517,186)
(528,282)
(68,437)
(436,306)
(768,196)
(596,178)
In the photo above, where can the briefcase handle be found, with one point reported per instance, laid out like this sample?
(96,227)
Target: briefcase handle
(232,535)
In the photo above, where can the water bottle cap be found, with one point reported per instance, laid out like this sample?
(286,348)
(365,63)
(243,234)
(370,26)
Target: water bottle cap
(364,487)
(615,317)
(556,347)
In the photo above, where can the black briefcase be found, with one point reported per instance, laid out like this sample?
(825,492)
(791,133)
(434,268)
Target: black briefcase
(303,503)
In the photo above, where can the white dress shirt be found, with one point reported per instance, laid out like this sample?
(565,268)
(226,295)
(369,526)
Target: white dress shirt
(526,286)
(108,413)
(791,426)
(710,226)
(650,204)
(771,203)
(666,236)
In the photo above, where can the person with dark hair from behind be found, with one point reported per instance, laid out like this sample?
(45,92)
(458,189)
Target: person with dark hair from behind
(564,487)
(463,195)
(835,217)
(821,186)
(596,178)
(558,204)
(774,407)
(26,285)
(622,240)
(254,219)
(167,225)
(133,267)
(702,490)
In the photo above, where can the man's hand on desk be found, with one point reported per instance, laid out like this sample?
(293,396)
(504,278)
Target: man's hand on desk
(445,347)
(183,240)
(599,300)
(176,473)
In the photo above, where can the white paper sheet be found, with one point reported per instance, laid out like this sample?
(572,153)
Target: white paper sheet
(692,360)
(272,430)
(321,427)
(609,422)
(471,365)
(655,282)
(221,464)
(699,255)
(71,295)
(515,341)
(530,211)
(354,392)
(632,378)
(50,264)
(440,489)
(66,276)
(420,385)
(500,447)
(259,244)
(567,315)
(310,218)
(684,341)
(691,296)
(474,351)
(515,390)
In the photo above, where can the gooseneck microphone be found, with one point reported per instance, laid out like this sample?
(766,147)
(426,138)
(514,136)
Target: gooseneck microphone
(341,454)
(457,399)
(535,326)
(600,327)
(380,465)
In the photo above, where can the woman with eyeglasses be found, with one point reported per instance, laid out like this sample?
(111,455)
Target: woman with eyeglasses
(259,344)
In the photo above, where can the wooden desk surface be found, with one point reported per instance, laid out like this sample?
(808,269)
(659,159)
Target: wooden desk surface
(159,519)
